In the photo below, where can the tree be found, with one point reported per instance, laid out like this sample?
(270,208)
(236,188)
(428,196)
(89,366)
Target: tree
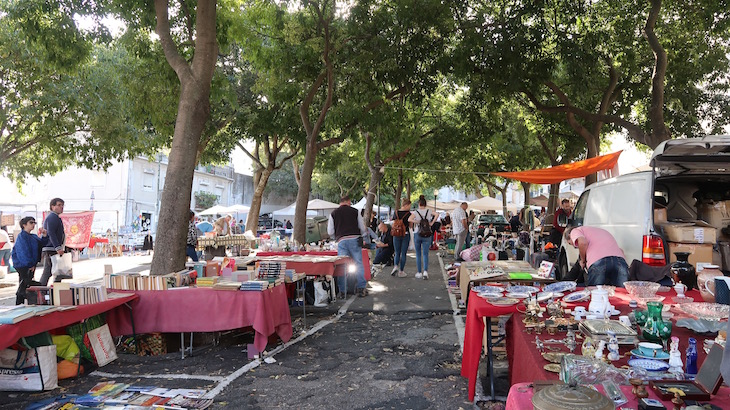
(192,114)
(64,97)
(205,200)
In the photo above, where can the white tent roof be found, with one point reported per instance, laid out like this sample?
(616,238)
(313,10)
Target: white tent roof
(488,203)
(320,204)
(289,211)
(360,204)
(217,209)
(241,209)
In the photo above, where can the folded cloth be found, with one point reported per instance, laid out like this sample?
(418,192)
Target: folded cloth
(641,271)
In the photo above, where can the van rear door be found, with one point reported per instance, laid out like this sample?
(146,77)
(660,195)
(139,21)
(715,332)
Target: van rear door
(692,156)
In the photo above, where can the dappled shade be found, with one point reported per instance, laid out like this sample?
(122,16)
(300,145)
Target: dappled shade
(557,174)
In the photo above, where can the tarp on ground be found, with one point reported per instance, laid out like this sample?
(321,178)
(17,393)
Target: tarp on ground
(559,173)
(488,203)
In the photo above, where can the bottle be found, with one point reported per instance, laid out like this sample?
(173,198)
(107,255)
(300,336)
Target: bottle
(692,356)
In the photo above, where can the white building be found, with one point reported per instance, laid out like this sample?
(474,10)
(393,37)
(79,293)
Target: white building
(126,197)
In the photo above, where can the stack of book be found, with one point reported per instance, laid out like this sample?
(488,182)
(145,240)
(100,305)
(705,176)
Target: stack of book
(207,282)
(255,285)
(135,281)
(266,270)
(70,294)
(227,285)
(13,314)
(292,276)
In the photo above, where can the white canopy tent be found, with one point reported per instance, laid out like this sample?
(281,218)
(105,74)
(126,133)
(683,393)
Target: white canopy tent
(215,210)
(288,213)
(488,203)
(320,205)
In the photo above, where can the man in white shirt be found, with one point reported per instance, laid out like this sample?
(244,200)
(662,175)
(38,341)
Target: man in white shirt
(460,228)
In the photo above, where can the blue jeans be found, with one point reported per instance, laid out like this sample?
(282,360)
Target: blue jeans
(190,251)
(611,270)
(422,245)
(351,248)
(400,243)
(5,256)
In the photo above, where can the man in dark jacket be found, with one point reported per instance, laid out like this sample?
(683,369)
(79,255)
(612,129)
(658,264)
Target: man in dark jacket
(56,237)
(384,253)
(347,227)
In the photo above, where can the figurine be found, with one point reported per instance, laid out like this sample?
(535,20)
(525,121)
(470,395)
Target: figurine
(570,340)
(638,390)
(588,349)
(539,344)
(599,350)
(675,357)
(613,347)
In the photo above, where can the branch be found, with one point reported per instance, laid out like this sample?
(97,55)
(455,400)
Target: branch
(245,151)
(656,110)
(405,152)
(176,61)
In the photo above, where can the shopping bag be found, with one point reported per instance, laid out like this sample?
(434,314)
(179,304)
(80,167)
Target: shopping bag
(321,295)
(29,370)
(103,348)
(61,266)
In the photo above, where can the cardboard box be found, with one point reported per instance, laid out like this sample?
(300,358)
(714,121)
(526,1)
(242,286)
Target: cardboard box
(716,215)
(689,232)
(699,252)
(660,215)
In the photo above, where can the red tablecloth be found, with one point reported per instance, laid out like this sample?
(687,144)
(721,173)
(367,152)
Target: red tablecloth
(528,365)
(9,334)
(520,397)
(338,268)
(208,310)
(94,240)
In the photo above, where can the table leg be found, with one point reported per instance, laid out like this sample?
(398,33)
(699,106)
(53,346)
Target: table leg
(134,332)
(490,364)
(304,301)
(182,345)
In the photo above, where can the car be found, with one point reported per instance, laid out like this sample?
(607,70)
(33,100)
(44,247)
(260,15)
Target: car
(496,221)
(688,182)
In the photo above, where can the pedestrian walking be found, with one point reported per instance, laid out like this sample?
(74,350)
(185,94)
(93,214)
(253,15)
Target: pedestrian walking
(347,227)
(56,245)
(422,220)
(401,231)
(26,255)
(460,227)
(6,248)
(192,240)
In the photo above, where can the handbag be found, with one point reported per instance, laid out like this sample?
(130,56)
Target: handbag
(29,370)
(61,266)
(102,345)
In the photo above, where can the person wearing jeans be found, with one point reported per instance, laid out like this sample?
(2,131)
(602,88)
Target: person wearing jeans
(346,226)
(422,243)
(599,254)
(401,243)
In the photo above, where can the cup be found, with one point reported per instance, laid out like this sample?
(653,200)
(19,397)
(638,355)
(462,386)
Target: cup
(578,315)
(722,290)
(580,309)
(625,321)
(680,288)
(650,349)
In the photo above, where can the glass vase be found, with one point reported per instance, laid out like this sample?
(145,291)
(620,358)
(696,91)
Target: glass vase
(655,329)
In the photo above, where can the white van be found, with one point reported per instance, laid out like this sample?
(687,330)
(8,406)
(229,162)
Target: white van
(682,170)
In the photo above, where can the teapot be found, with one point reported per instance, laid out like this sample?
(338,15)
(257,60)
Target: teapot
(599,302)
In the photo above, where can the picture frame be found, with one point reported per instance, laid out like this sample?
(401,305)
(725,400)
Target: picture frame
(706,383)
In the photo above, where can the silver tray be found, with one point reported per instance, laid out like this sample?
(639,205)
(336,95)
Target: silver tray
(597,326)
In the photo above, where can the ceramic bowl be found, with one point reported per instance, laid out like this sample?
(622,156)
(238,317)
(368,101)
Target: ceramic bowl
(641,289)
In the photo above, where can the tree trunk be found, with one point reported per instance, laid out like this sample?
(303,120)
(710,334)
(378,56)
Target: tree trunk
(478,193)
(305,186)
(399,189)
(554,198)
(526,189)
(375,177)
(408,189)
(659,131)
(594,150)
(252,222)
(192,113)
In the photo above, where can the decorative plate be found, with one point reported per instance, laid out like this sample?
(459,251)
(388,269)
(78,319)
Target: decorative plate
(565,286)
(578,296)
(543,296)
(553,357)
(488,289)
(650,365)
(487,295)
(552,367)
(558,294)
(701,325)
(522,289)
(503,301)
(518,295)
(659,356)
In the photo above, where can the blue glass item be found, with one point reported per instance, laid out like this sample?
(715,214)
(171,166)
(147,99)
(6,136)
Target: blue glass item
(692,356)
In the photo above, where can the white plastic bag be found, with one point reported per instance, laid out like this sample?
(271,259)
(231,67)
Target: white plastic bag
(102,345)
(321,296)
(30,370)
(61,265)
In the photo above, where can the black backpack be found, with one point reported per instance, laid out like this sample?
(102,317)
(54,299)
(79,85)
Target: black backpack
(424,227)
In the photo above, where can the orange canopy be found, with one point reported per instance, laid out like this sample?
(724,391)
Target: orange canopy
(556,174)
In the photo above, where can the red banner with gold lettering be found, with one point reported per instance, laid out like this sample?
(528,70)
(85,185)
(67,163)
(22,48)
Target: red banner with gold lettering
(77,226)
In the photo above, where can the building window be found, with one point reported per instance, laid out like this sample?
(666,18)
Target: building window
(148,182)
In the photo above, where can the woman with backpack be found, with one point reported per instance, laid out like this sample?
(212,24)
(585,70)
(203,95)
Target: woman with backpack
(422,220)
(401,237)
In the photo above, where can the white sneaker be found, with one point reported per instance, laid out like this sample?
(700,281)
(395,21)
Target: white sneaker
(425,275)
(402,274)
(394,271)
(419,275)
